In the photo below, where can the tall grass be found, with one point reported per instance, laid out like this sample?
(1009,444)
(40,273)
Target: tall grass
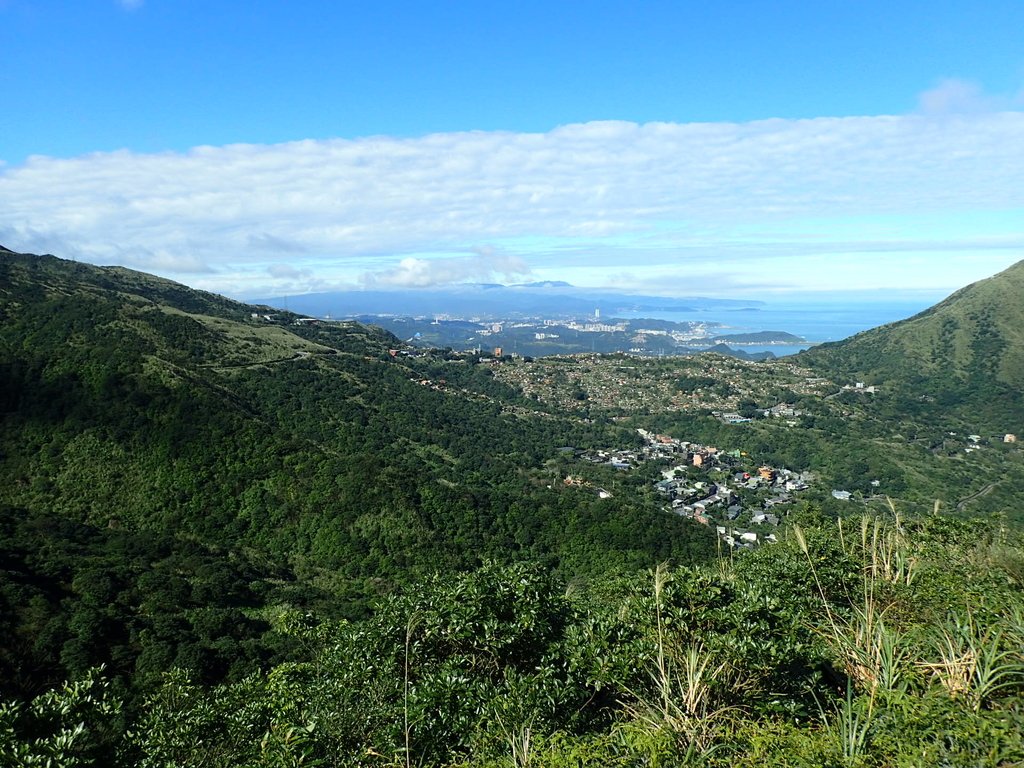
(888,555)
(967,660)
(848,725)
(521,748)
(686,705)
(974,663)
(410,628)
(871,653)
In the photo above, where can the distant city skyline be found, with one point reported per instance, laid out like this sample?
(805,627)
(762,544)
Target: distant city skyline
(757,149)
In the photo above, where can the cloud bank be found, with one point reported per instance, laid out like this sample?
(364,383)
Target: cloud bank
(648,200)
(414,272)
(956,95)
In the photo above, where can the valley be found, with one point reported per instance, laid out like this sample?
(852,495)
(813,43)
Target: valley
(286,537)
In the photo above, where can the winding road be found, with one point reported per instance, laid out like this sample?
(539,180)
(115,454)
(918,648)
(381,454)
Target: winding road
(964,502)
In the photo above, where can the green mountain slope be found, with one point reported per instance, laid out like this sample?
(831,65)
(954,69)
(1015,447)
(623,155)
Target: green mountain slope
(140,420)
(964,356)
(271,535)
(131,400)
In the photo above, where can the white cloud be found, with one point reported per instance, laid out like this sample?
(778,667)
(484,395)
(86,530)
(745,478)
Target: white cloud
(265,242)
(411,272)
(288,272)
(164,262)
(958,96)
(606,195)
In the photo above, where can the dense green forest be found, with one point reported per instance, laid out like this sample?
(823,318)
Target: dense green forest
(879,643)
(228,538)
(150,429)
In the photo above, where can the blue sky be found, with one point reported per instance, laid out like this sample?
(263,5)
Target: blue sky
(678,147)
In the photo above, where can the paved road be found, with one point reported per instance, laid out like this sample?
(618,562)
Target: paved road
(964,502)
(297,356)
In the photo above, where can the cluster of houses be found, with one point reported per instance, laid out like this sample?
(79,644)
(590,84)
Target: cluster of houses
(709,502)
(712,502)
(743,539)
(625,459)
(694,499)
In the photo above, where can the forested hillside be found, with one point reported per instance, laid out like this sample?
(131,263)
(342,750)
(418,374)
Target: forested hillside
(150,429)
(963,356)
(233,536)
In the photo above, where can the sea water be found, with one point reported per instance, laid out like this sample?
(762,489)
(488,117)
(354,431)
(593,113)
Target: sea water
(816,322)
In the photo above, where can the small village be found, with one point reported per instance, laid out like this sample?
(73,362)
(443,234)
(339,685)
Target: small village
(744,499)
(710,486)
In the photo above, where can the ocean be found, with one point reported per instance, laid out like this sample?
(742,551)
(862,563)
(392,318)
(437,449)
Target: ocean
(816,322)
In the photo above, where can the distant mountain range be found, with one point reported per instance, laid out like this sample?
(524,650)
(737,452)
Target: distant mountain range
(550,299)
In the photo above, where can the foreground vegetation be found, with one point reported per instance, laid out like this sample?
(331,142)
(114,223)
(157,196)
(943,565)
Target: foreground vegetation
(852,643)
